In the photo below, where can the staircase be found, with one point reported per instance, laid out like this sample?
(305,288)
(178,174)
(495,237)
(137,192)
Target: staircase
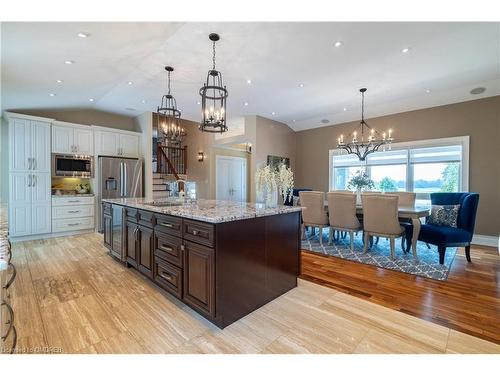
(171,167)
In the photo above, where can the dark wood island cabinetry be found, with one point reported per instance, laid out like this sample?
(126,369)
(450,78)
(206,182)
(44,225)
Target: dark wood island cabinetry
(222,263)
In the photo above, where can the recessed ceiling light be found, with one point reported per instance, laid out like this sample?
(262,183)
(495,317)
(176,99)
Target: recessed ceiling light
(245,104)
(59,80)
(130,83)
(405,50)
(52,94)
(345,109)
(338,43)
(198,103)
(81,34)
(91,99)
(428,91)
(69,62)
(477,90)
(249,81)
(273,113)
(293,120)
(325,121)
(143,101)
(301,85)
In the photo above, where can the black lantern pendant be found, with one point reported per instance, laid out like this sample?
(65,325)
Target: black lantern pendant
(213,98)
(169,116)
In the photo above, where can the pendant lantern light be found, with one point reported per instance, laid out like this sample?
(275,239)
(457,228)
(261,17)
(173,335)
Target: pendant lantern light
(169,117)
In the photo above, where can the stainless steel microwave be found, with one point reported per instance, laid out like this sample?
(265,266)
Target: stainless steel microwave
(72,166)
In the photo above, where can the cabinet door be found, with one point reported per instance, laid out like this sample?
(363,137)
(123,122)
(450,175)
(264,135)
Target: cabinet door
(40,136)
(131,243)
(20,204)
(106,143)
(62,139)
(199,278)
(129,145)
(108,231)
(145,249)
(19,145)
(41,203)
(84,141)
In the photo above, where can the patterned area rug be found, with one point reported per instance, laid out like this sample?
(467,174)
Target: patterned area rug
(379,255)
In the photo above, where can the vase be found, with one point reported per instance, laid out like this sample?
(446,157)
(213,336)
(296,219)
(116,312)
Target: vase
(358,196)
(271,199)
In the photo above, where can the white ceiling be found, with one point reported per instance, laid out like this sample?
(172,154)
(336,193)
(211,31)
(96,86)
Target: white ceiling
(449,59)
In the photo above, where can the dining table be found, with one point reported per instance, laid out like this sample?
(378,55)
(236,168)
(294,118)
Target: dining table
(414,213)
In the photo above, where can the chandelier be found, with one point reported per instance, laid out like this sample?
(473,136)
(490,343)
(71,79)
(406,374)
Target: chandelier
(213,98)
(169,117)
(364,145)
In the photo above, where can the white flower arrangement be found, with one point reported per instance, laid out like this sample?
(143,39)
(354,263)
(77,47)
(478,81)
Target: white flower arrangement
(273,180)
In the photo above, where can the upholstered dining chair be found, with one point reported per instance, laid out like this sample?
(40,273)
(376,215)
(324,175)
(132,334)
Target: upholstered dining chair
(406,199)
(446,236)
(313,212)
(342,215)
(380,218)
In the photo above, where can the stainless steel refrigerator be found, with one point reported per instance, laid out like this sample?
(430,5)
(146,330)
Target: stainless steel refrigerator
(118,178)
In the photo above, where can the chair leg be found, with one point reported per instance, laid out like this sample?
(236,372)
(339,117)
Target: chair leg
(403,244)
(344,235)
(428,246)
(376,241)
(303,231)
(330,235)
(365,242)
(351,237)
(442,251)
(467,253)
(371,241)
(392,247)
(320,235)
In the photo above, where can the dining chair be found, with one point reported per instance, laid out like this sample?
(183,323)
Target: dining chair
(406,199)
(313,212)
(380,218)
(342,215)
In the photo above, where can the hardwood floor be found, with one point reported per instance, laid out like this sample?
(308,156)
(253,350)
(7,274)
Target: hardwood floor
(469,301)
(71,297)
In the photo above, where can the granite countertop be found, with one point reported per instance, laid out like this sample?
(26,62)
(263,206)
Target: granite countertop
(211,211)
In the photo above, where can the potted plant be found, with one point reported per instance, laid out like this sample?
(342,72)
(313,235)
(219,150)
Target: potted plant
(360,182)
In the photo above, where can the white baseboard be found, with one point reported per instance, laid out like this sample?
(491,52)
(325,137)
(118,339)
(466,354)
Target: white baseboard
(479,239)
(50,235)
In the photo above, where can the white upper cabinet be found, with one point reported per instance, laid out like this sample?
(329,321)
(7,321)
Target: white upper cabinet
(70,138)
(20,145)
(117,143)
(129,145)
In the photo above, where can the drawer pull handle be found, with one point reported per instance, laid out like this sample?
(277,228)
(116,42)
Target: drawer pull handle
(166,225)
(74,201)
(195,232)
(166,248)
(72,224)
(73,211)
(166,276)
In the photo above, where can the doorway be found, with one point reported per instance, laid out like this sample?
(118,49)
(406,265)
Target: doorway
(231,178)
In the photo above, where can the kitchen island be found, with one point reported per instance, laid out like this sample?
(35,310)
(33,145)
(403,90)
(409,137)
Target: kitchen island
(223,259)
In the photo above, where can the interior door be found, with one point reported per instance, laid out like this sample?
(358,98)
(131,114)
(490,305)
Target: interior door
(231,178)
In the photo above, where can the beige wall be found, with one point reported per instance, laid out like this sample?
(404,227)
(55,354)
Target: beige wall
(479,119)
(87,117)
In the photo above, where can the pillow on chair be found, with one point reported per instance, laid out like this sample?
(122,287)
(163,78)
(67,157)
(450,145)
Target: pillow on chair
(444,215)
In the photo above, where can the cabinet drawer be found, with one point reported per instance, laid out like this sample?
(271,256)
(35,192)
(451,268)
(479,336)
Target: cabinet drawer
(131,214)
(64,225)
(168,276)
(168,248)
(145,218)
(168,224)
(106,208)
(201,233)
(67,212)
(71,201)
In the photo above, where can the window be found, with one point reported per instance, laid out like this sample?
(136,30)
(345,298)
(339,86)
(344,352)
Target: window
(423,167)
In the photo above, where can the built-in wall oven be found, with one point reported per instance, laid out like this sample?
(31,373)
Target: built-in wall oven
(64,165)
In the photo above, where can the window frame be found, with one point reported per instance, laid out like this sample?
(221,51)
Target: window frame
(463,141)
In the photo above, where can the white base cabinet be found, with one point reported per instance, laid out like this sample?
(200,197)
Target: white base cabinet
(72,213)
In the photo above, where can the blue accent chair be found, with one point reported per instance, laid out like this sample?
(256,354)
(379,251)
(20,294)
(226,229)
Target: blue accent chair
(295,193)
(443,236)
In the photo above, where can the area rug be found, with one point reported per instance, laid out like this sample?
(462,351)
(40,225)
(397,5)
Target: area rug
(379,255)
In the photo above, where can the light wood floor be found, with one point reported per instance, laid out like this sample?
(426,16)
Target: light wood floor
(71,296)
